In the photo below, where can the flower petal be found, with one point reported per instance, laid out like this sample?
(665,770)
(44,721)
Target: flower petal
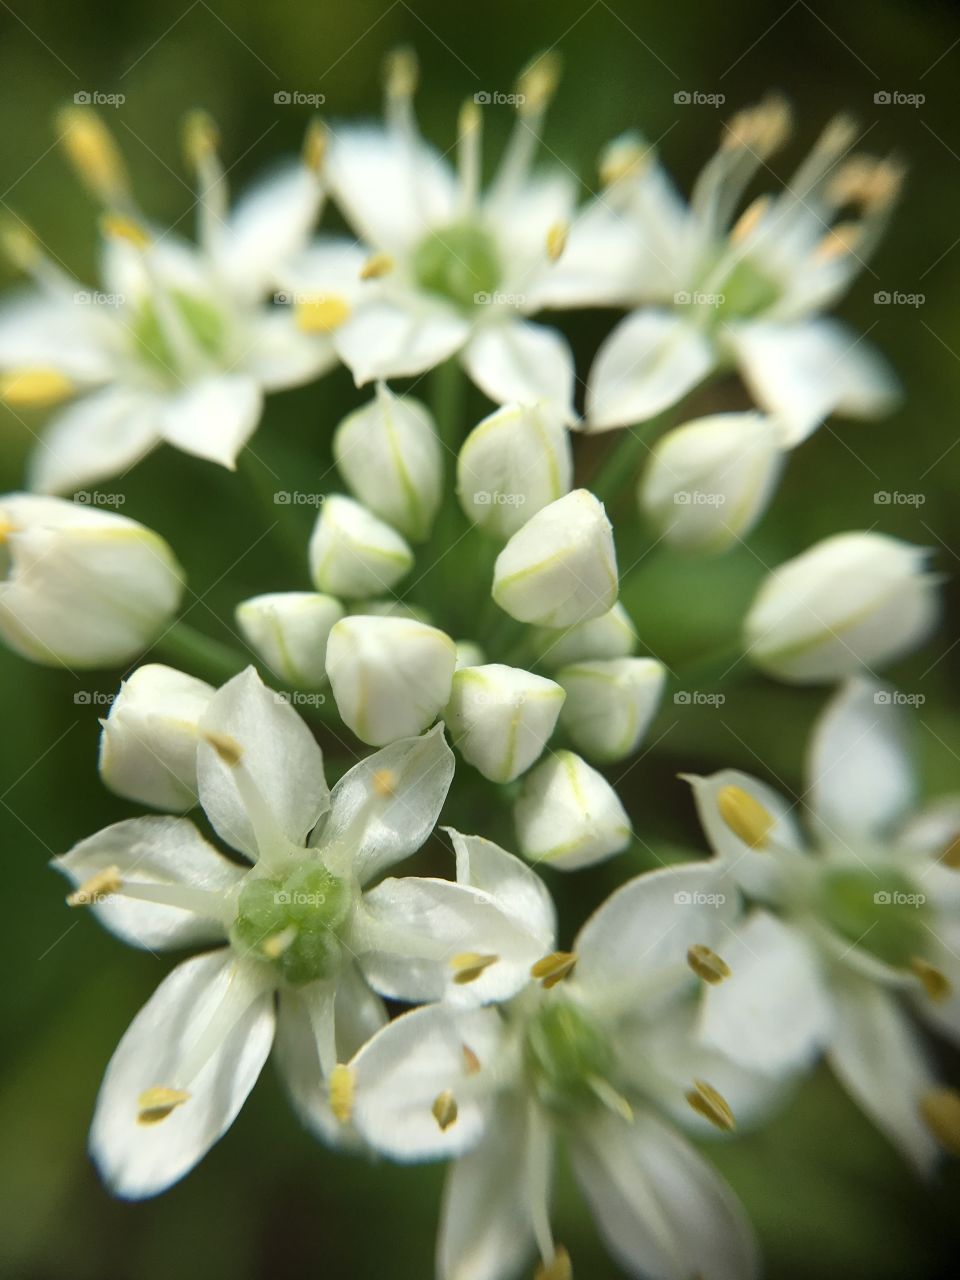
(280,355)
(78,337)
(214,418)
(398,339)
(266,228)
(518,360)
(104,434)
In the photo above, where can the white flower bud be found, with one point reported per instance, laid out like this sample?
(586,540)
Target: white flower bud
(389,454)
(82,587)
(568,814)
(852,600)
(612,635)
(469,655)
(610,704)
(513,464)
(148,747)
(708,482)
(289,630)
(391,677)
(500,718)
(353,553)
(560,568)
(391,609)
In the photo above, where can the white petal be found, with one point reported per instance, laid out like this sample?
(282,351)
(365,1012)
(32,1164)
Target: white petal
(664,1213)
(773,1013)
(214,418)
(567,814)
(207,1030)
(103,434)
(384,808)
(77,337)
(517,360)
(159,851)
(510,882)
(266,228)
(860,775)
(279,756)
(401,1072)
(880,1059)
(597,267)
(280,355)
(398,340)
(648,363)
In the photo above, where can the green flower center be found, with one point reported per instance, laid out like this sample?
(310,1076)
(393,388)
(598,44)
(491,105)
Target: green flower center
(747,291)
(883,914)
(293,923)
(204,322)
(459,263)
(564,1054)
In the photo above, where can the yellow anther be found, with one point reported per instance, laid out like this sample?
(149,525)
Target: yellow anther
(558,1268)
(762,129)
(470,118)
(100,885)
(557,240)
(706,964)
(445,1109)
(710,1104)
(274,946)
(625,157)
(838,242)
(201,137)
(745,816)
(93,153)
(471,1063)
(537,83)
(385,782)
(401,73)
(554,967)
(20,245)
(951,854)
(749,220)
(34,388)
(869,183)
(155,1104)
(940,1109)
(341,1091)
(315,146)
(469,965)
(934,981)
(377,265)
(321,315)
(228,749)
(116,227)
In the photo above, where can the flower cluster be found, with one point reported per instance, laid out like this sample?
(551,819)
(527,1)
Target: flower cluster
(502,686)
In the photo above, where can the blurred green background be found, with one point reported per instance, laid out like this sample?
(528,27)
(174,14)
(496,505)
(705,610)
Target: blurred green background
(829,1197)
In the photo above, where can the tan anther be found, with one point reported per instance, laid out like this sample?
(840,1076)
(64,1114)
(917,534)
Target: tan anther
(940,1109)
(377,266)
(951,854)
(749,220)
(537,83)
(763,128)
(321,314)
(341,1091)
(315,142)
(554,967)
(471,1063)
(117,227)
(445,1109)
(558,1268)
(706,964)
(469,965)
(228,749)
(99,886)
(156,1104)
(710,1104)
(92,152)
(745,816)
(934,981)
(557,240)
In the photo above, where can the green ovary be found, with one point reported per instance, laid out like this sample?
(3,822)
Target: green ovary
(458,263)
(882,914)
(201,319)
(564,1053)
(293,923)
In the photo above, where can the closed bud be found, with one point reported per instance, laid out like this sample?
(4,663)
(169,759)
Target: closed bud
(708,482)
(288,630)
(610,704)
(82,587)
(390,677)
(568,815)
(850,601)
(353,553)
(469,654)
(389,454)
(500,718)
(516,462)
(148,747)
(560,568)
(612,635)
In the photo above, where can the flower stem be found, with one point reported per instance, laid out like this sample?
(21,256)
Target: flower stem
(723,665)
(620,464)
(201,655)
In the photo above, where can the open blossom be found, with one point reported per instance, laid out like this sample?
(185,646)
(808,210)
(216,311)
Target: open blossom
(176,344)
(594,1055)
(297,921)
(846,938)
(442,268)
(716,290)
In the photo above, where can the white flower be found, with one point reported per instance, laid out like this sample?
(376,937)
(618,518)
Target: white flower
(444,269)
(176,343)
(390,677)
(596,1057)
(300,926)
(709,481)
(389,454)
(612,635)
(500,718)
(610,703)
(560,568)
(514,463)
(354,553)
(750,292)
(289,630)
(83,587)
(568,815)
(148,747)
(853,600)
(843,938)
